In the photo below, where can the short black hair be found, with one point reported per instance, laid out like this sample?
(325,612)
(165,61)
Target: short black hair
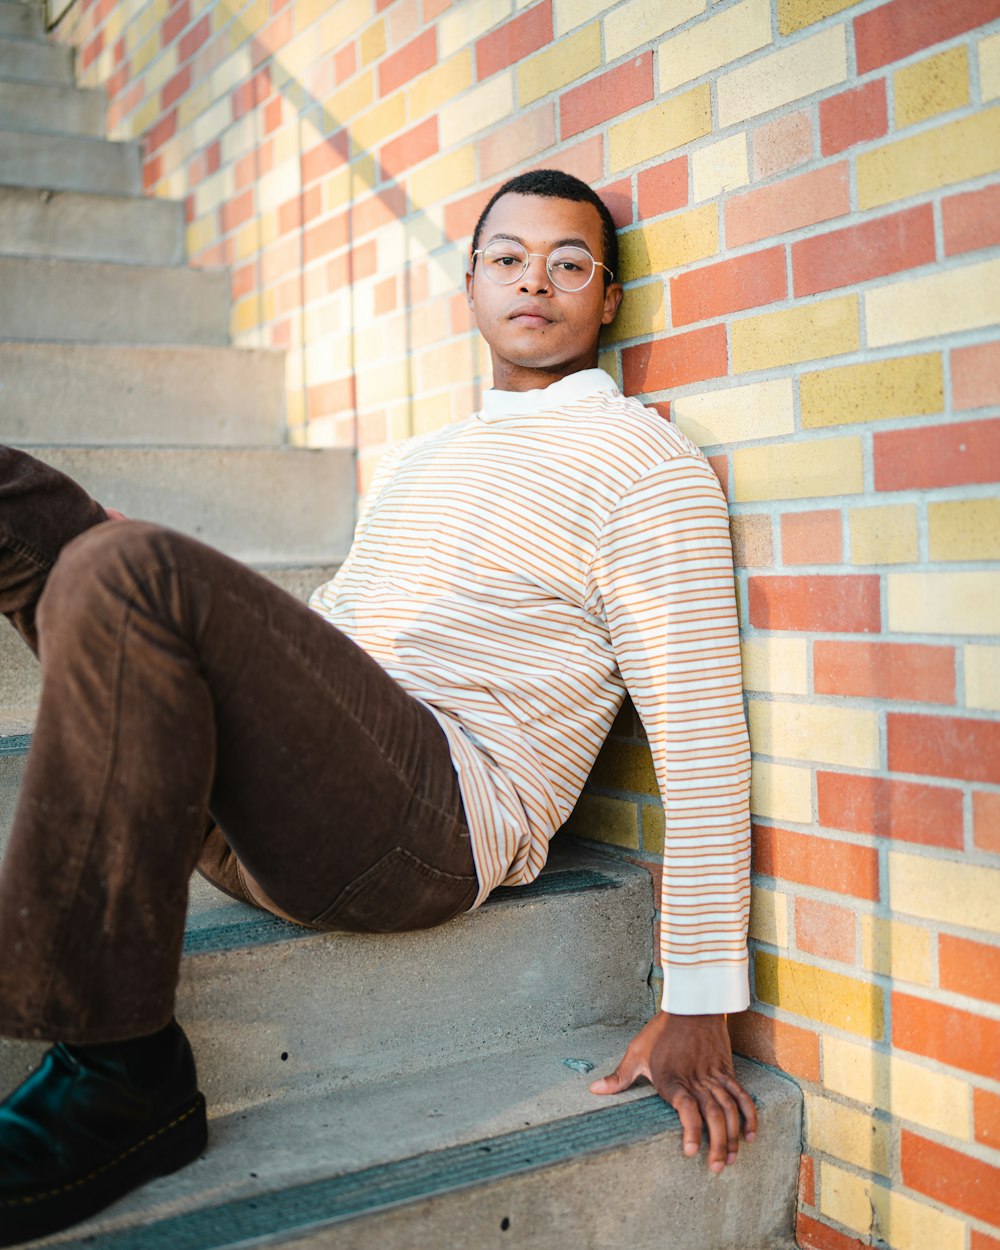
(557,185)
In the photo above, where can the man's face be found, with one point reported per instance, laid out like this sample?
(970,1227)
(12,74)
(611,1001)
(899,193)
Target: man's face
(537,333)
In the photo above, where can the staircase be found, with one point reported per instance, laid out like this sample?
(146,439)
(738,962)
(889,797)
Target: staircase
(413,1092)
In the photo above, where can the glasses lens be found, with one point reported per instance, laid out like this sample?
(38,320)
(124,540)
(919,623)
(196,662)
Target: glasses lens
(570,268)
(504,261)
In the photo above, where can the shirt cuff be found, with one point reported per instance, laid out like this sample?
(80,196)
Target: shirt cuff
(706,991)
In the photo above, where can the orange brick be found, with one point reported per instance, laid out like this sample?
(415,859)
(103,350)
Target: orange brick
(986,1116)
(841,867)
(514,40)
(785,1046)
(983,1241)
(975,376)
(330,398)
(751,541)
(810,1234)
(175,88)
(782,144)
(608,95)
(253,92)
(950,455)
(92,50)
(244,279)
(720,467)
(584,160)
(788,205)
(327,236)
(236,211)
(971,220)
(825,930)
(384,296)
(412,59)
(853,117)
(812,537)
(386,206)
(345,61)
(960,1039)
(617,197)
(950,1177)
(969,968)
(807,1180)
(944,746)
(675,361)
(885,670)
(663,188)
(172,25)
(871,250)
(195,37)
(728,286)
(902,27)
(986,821)
(885,808)
(325,157)
(256,162)
(410,148)
(529,132)
(846,605)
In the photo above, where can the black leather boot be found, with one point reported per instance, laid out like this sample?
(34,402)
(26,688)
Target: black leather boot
(91,1123)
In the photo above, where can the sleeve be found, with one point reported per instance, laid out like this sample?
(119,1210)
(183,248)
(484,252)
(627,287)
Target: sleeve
(664,571)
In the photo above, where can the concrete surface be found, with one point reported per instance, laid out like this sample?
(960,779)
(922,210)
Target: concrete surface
(30,60)
(69,163)
(21,21)
(74,225)
(41,107)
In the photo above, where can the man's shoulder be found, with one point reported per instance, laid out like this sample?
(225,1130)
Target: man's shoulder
(641,432)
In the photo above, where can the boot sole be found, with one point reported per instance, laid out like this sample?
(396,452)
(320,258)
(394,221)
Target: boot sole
(168,1148)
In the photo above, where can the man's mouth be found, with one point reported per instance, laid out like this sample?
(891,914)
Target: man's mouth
(531,315)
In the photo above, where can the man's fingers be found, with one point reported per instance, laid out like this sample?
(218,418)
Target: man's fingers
(623,1077)
(687,1108)
(748,1108)
(731,1112)
(718,1129)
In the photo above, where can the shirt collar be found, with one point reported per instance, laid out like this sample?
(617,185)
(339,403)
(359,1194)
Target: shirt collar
(568,390)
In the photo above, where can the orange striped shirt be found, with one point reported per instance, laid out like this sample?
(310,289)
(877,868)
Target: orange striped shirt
(520,570)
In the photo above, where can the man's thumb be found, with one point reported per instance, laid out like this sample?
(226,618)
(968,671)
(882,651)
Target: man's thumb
(620,1079)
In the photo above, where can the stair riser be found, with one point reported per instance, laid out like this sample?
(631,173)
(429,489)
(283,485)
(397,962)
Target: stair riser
(21,21)
(52,110)
(30,61)
(69,163)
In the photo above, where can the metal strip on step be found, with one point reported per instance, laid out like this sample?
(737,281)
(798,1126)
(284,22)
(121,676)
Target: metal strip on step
(16,744)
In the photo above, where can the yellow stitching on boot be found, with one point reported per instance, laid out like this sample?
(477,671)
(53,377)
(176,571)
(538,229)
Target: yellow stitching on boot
(91,1176)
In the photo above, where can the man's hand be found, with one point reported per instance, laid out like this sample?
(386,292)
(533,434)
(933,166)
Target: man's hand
(690,1061)
(115,515)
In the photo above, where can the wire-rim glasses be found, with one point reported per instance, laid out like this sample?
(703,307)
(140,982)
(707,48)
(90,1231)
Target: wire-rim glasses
(569,268)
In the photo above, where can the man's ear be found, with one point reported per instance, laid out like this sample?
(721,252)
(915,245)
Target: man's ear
(468,286)
(612,298)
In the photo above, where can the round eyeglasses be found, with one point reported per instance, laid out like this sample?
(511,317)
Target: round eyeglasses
(569,268)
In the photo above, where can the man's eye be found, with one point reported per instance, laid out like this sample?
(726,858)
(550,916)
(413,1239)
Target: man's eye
(504,261)
(569,266)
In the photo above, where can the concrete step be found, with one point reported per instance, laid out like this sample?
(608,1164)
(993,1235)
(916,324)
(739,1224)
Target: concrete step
(180,396)
(69,163)
(85,302)
(38,107)
(21,21)
(35,60)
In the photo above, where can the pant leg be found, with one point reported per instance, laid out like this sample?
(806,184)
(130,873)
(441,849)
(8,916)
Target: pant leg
(176,681)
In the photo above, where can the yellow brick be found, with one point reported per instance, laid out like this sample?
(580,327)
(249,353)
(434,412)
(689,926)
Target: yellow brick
(939,889)
(211,123)
(666,244)
(145,116)
(625,766)
(161,70)
(935,85)
(904,952)
(201,234)
(249,23)
(964,529)
(610,362)
(248,240)
(653,827)
(640,21)
(891,1217)
(795,14)
(382,385)
(806,470)
(342,106)
(194,104)
(476,110)
(818,733)
(368,131)
(467,21)
(776,665)
(941,303)
(336,189)
(934,158)
(884,535)
(372,42)
(847,1133)
(982,677)
(720,167)
(143,55)
(769,82)
(661,128)
(708,46)
(808,332)
(781,792)
(350,14)
(245,315)
(989,67)
(906,386)
(907,1090)
(737,414)
(605,820)
(827,997)
(568,14)
(769,916)
(441,178)
(563,62)
(642,312)
(944,603)
(440,84)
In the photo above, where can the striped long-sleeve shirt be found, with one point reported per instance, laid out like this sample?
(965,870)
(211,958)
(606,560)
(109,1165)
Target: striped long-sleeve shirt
(520,570)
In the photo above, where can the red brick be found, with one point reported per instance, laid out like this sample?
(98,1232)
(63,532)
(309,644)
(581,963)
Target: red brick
(960,1039)
(175,87)
(585,160)
(410,148)
(617,197)
(399,67)
(378,210)
(840,867)
(782,144)
(720,467)
(871,250)
(663,188)
(885,670)
(272,115)
(119,51)
(986,821)
(948,455)
(807,1181)
(236,211)
(728,286)
(195,37)
(902,27)
(853,117)
(117,81)
(345,61)
(983,1241)
(272,38)
(789,204)
(986,1116)
(151,174)
(92,50)
(157,135)
(434,8)
(825,930)
(384,296)
(280,260)
(514,40)
(328,236)
(244,280)
(884,808)
(172,25)
(253,92)
(461,215)
(785,1046)
(848,604)
(944,746)
(971,220)
(950,1177)
(254,165)
(606,96)
(526,134)
(975,376)
(812,537)
(969,968)
(675,361)
(325,156)
(810,1234)
(330,398)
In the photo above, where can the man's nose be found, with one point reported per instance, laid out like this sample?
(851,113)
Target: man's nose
(536,276)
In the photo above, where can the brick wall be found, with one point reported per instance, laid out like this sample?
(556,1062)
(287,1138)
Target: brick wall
(810,204)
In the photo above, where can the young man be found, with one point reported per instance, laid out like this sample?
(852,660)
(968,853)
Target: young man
(511,575)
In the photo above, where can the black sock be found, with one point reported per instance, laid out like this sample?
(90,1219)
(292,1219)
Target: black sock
(147,1060)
